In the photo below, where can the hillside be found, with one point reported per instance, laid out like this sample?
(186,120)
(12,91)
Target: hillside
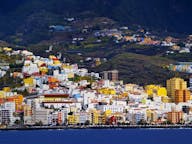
(140,69)
(31,17)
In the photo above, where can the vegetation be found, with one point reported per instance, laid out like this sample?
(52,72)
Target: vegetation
(140,69)
(183,57)
(31,18)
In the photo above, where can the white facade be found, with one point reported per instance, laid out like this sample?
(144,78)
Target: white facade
(112,108)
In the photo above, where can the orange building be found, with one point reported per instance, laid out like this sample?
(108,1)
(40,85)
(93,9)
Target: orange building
(182,96)
(18,102)
(53,82)
(59,117)
(18,99)
(175,117)
(187,95)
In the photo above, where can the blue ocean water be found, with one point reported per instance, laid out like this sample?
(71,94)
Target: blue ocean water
(98,136)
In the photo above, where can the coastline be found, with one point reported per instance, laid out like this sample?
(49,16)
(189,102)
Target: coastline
(99,127)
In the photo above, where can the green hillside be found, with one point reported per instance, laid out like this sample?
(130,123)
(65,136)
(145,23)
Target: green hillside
(140,69)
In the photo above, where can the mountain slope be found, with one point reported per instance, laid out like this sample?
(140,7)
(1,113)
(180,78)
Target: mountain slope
(172,15)
(140,69)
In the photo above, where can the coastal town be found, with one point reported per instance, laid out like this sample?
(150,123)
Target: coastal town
(55,93)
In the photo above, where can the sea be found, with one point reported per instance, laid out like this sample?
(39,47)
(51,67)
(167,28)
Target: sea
(98,136)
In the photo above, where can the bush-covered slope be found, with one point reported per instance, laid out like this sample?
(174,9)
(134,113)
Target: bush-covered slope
(140,69)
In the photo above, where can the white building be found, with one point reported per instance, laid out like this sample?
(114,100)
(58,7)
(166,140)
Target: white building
(112,108)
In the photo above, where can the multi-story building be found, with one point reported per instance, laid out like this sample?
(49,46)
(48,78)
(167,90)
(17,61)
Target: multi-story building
(112,108)
(182,96)
(112,75)
(175,84)
(5,117)
(94,117)
(151,116)
(175,117)
(40,116)
(27,114)
(8,111)
(190,83)
(73,119)
(84,117)
(137,115)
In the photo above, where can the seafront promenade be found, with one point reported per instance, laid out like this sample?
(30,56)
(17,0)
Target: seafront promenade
(99,127)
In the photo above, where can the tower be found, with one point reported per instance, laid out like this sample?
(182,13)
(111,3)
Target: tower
(175,84)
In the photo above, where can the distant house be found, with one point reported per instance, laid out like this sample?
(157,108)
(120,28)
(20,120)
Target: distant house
(60,28)
(184,50)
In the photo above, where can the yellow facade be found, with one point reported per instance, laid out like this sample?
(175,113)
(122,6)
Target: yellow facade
(2,94)
(56,62)
(166,99)
(52,57)
(18,102)
(97,62)
(130,87)
(6,89)
(151,115)
(105,116)
(94,117)
(107,91)
(175,84)
(65,66)
(43,70)
(29,81)
(155,90)
(73,119)
(71,75)
(7,49)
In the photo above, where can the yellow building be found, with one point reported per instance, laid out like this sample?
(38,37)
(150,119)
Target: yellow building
(95,117)
(70,75)
(97,62)
(29,81)
(151,116)
(7,49)
(130,87)
(107,91)
(55,98)
(166,99)
(43,70)
(56,62)
(175,84)
(105,116)
(66,66)
(73,119)
(2,94)
(175,47)
(6,89)
(155,90)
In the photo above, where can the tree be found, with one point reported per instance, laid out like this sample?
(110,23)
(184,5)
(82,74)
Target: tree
(87,122)
(142,122)
(40,123)
(17,122)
